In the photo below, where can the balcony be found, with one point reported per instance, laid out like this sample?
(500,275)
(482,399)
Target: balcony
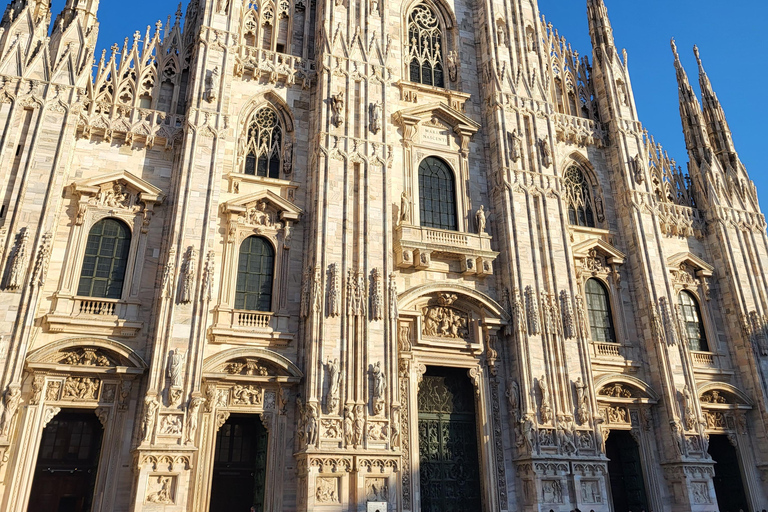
(703,359)
(416,247)
(89,315)
(607,350)
(240,326)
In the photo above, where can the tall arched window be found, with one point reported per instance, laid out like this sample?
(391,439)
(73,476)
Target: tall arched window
(254,275)
(694,327)
(425,47)
(599,310)
(578,196)
(264,146)
(106,257)
(437,195)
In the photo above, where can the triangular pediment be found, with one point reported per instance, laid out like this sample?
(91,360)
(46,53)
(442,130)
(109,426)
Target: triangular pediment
(437,112)
(691,260)
(286,209)
(611,254)
(146,191)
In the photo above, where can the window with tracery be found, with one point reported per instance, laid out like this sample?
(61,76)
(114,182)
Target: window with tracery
(255,271)
(578,197)
(106,259)
(264,145)
(425,48)
(694,327)
(599,311)
(437,195)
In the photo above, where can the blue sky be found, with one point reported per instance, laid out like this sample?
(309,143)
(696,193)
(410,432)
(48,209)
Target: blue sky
(731,37)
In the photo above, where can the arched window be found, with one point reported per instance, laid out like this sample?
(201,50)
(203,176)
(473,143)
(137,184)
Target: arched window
(694,327)
(425,47)
(599,310)
(263,148)
(106,257)
(578,196)
(254,275)
(437,195)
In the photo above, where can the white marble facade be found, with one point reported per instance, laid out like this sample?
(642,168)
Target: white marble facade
(300,128)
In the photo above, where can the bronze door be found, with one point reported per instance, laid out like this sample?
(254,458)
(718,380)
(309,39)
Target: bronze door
(626,472)
(240,465)
(729,487)
(449,464)
(65,474)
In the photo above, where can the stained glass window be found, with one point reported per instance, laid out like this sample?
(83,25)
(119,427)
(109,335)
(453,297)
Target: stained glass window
(254,275)
(694,327)
(425,47)
(106,258)
(264,145)
(578,197)
(599,310)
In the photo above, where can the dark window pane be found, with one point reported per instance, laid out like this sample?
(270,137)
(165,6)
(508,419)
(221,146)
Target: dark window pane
(255,274)
(694,327)
(105,261)
(599,311)
(437,195)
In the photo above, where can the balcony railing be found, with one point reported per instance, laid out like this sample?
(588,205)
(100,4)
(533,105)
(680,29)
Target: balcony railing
(88,315)
(238,325)
(703,359)
(611,350)
(416,246)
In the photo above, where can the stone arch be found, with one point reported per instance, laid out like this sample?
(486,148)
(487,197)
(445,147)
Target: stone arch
(483,303)
(644,388)
(116,351)
(726,390)
(441,8)
(268,98)
(216,363)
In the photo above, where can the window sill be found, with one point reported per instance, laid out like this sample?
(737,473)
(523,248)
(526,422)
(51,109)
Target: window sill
(416,246)
(89,315)
(238,179)
(605,350)
(239,326)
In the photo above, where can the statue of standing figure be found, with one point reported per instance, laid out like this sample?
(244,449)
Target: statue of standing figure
(480,218)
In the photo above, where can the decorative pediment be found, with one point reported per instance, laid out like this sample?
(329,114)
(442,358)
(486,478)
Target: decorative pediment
(437,113)
(723,396)
(690,271)
(598,257)
(263,208)
(624,388)
(119,193)
(119,190)
(87,355)
(251,364)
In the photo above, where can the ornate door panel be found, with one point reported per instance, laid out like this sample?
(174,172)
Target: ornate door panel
(239,469)
(626,472)
(450,470)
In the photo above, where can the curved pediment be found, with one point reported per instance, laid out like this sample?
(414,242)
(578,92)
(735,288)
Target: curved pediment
(263,201)
(251,364)
(459,296)
(624,387)
(713,394)
(87,353)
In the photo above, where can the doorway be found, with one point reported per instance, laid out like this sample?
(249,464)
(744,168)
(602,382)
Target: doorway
(448,454)
(729,487)
(67,464)
(239,465)
(626,472)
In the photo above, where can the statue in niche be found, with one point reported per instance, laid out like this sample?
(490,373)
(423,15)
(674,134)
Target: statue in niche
(311,425)
(405,207)
(349,427)
(515,146)
(334,379)
(375,112)
(453,66)
(480,219)
(379,385)
(546,152)
(337,107)
(211,84)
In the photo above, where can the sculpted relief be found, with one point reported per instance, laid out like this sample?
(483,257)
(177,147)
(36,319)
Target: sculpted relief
(445,322)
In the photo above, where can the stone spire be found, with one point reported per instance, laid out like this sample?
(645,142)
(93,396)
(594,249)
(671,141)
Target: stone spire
(719,133)
(74,33)
(694,128)
(86,9)
(599,25)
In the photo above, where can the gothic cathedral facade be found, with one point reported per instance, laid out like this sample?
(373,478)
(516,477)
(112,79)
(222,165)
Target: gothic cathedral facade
(368,255)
